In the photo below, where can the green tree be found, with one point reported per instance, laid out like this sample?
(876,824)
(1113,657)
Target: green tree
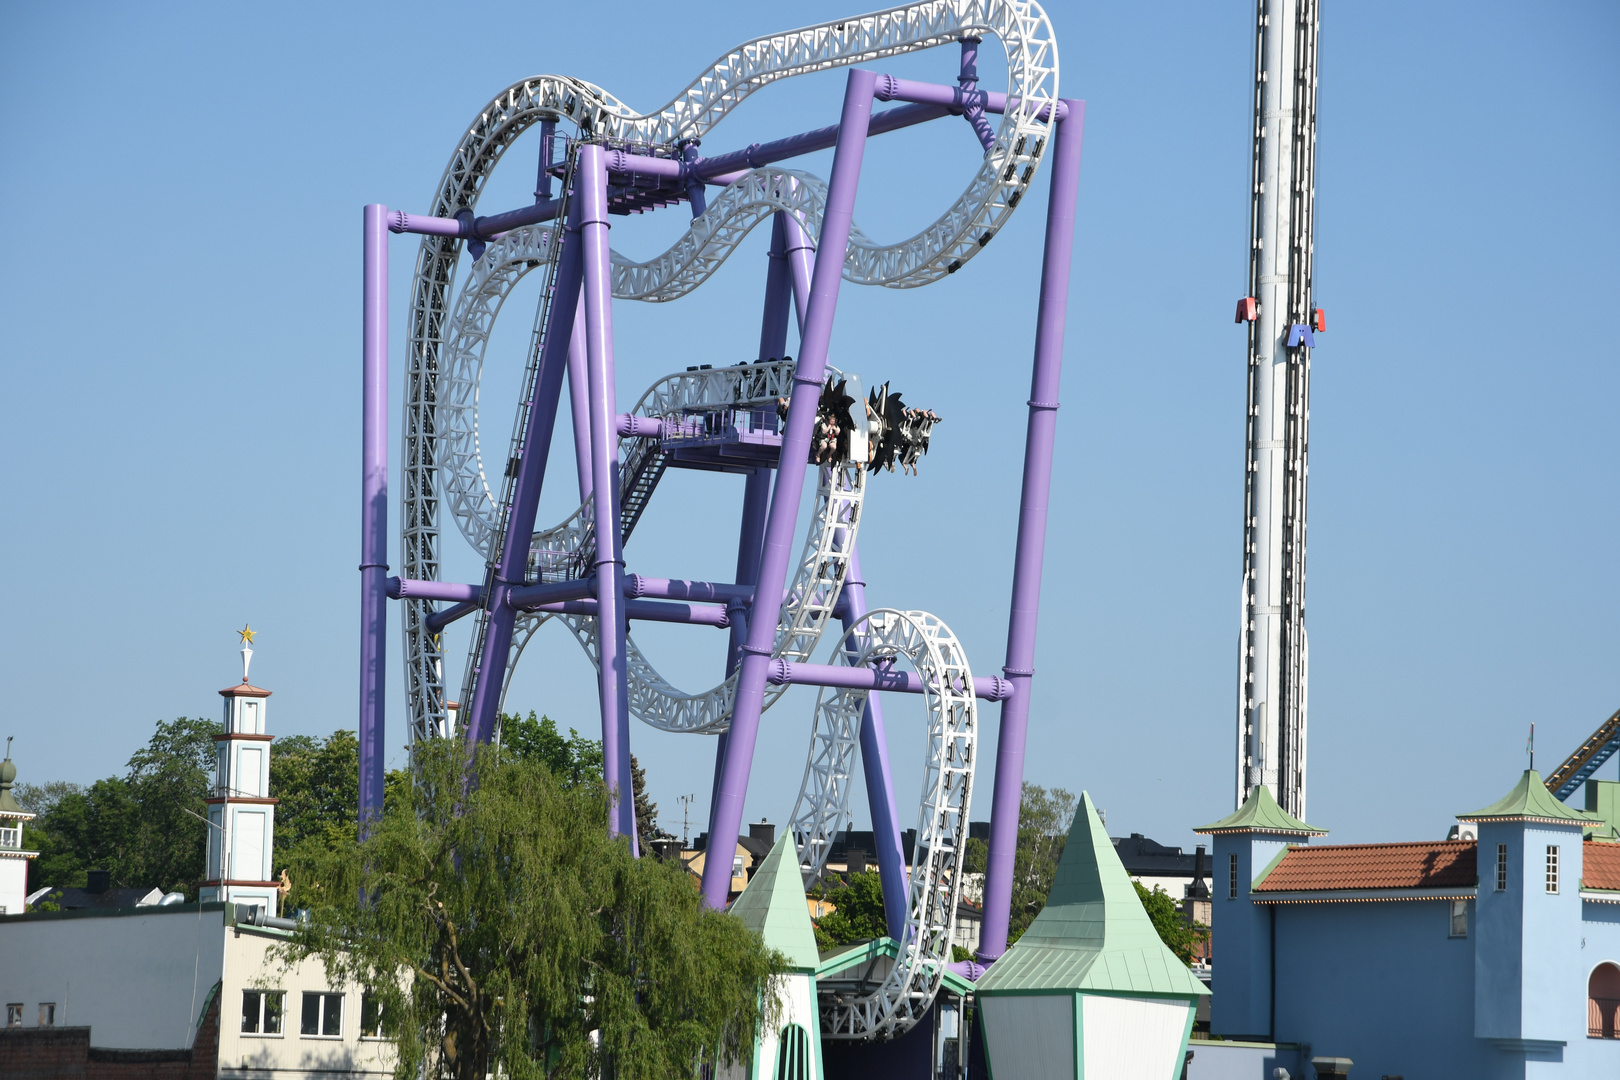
(1180,936)
(504,931)
(858,912)
(576,760)
(1044,818)
(136,826)
(318,784)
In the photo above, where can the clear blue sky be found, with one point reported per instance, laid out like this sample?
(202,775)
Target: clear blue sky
(183,187)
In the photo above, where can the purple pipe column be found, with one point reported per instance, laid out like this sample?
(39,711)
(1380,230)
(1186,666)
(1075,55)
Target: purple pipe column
(1026,589)
(613,676)
(513,565)
(373,511)
(892,869)
(579,403)
(776,552)
(757,492)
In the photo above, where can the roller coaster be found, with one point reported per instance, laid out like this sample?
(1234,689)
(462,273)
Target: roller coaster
(771,418)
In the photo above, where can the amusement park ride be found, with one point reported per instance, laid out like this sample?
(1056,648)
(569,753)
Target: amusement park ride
(770,420)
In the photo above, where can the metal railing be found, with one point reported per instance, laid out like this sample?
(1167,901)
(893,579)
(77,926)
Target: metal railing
(1601,1015)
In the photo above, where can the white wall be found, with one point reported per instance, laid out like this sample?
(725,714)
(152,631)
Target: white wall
(13,882)
(137,981)
(1127,1038)
(1029,1036)
(249,965)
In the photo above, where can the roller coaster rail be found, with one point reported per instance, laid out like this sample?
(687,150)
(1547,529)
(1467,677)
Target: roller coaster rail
(770,419)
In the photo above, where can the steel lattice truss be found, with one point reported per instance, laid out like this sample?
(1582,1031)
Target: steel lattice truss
(995,190)
(881,639)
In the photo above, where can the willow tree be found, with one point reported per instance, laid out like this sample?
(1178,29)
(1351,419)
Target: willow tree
(500,930)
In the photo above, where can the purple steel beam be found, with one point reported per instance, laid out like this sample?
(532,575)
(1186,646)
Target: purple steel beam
(724,168)
(968,80)
(579,403)
(776,551)
(646,611)
(412,589)
(610,604)
(511,570)
(636,586)
(891,856)
(880,677)
(532,597)
(1026,589)
(373,510)
(445,616)
(773,328)
(956,99)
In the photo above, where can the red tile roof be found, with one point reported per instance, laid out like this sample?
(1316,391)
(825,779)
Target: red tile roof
(1435,864)
(1600,865)
(242,689)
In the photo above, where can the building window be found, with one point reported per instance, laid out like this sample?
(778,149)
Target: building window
(11,838)
(371,1017)
(1501,868)
(1603,1002)
(47,1014)
(14,1014)
(1459,918)
(737,868)
(323,1016)
(261,1011)
(793,1054)
(1552,868)
(1231,877)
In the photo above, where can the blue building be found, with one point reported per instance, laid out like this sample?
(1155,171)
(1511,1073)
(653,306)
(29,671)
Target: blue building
(1496,954)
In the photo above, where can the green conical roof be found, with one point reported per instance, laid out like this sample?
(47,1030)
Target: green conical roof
(1093,933)
(1529,801)
(774,906)
(1260,813)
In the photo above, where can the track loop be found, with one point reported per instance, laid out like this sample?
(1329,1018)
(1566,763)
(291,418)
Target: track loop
(885,638)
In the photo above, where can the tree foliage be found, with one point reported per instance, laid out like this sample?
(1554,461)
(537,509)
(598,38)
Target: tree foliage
(858,913)
(503,927)
(1044,818)
(576,760)
(1180,936)
(135,826)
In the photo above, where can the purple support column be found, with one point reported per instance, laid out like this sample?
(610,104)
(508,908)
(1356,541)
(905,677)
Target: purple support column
(579,402)
(776,553)
(610,606)
(757,492)
(891,856)
(373,511)
(513,565)
(1026,590)
(892,869)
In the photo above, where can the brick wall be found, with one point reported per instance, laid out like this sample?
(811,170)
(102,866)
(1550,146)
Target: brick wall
(65,1053)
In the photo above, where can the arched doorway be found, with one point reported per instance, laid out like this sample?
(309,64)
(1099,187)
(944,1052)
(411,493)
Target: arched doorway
(1603,1002)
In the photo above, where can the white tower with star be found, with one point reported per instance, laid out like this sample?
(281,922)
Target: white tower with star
(241,813)
(14,856)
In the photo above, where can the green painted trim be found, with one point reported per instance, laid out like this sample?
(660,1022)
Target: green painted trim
(978,1022)
(1181,1053)
(1044,991)
(1079,1040)
(858,954)
(821,1070)
(1252,1045)
(113,913)
(1191,999)
(1270,866)
(213,991)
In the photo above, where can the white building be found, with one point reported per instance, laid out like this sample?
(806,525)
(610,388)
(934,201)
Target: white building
(192,982)
(13,856)
(240,810)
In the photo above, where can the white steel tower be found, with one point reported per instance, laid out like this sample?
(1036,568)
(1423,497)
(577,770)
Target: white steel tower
(1282,322)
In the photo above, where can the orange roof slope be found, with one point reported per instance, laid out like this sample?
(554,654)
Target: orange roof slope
(1436,864)
(1600,865)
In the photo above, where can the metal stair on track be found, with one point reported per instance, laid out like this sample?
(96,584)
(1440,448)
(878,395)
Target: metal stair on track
(1587,759)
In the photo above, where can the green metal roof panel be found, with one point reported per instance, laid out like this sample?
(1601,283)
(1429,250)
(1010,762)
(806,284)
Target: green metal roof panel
(774,906)
(1260,813)
(1529,800)
(1093,933)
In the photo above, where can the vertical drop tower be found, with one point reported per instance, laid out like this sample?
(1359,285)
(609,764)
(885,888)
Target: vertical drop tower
(1273,654)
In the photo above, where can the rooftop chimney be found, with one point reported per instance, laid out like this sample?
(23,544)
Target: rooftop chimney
(762,830)
(99,880)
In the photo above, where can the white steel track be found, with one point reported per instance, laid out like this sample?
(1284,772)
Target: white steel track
(885,637)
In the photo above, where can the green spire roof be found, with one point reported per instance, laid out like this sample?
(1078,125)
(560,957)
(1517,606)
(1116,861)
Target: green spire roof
(1529,801)
(1260,813)
(1093,933)
(774,906)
